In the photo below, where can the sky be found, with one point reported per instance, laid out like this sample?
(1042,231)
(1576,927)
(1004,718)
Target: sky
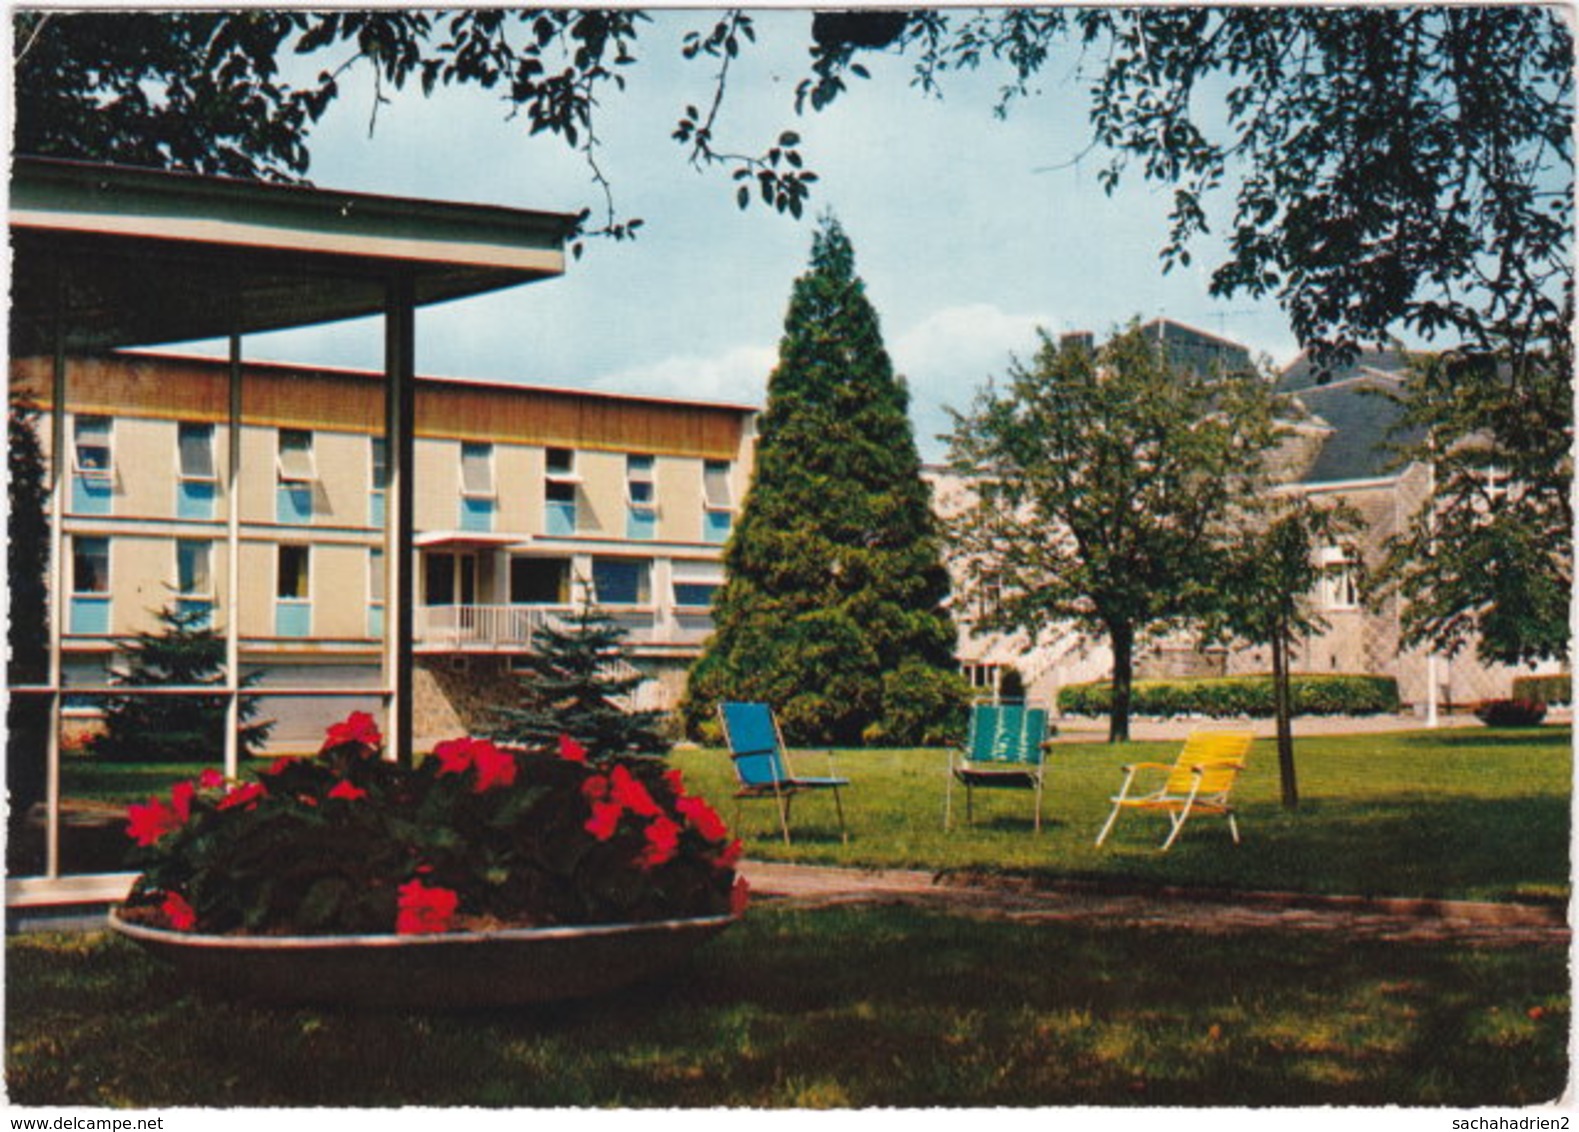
(970,231)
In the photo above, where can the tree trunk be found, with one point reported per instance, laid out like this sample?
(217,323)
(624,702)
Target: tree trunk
(1122,637)
(1282,700)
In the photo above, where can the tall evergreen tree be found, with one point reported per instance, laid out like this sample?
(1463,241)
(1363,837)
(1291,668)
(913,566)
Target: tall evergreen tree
(833,606)
(27,561)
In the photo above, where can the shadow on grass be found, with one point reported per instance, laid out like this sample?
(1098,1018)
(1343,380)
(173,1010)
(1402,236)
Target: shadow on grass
(1413,845)
(839,1008)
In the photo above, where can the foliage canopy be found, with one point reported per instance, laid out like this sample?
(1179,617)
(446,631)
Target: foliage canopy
(1105,484)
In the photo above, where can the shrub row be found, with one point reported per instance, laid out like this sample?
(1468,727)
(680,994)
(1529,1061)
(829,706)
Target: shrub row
(1544,689)
(1230,696)
(1511,713)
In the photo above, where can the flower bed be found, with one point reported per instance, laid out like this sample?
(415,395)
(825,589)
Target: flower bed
(476,837)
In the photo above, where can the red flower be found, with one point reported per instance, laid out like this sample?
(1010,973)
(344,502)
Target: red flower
(630,793)
(280,764)
(571,750)
(739,896)
(178,913)
(595,788)
(494,767)
(358,728)
(146,823)
(663,842)
(181,795)
(210,779)
(703,818)
(454,755)
(605,819)
(345,789)
(676,781)
(242,795)
(728,855)
(423,909)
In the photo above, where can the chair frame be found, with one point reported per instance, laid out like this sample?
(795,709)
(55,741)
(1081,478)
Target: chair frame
(785,783)
(976,774)
(1210,781)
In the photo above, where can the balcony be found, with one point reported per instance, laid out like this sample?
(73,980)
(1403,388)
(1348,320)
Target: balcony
(511,628)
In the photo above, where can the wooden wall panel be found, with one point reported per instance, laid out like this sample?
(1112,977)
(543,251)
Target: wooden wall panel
(302,397)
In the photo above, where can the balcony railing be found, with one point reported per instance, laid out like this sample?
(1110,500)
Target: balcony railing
(512,628)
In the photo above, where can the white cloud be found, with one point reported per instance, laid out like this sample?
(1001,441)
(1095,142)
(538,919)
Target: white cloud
(951,353)
(739,374)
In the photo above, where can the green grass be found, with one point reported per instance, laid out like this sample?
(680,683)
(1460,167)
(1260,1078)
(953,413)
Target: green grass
(1469,814)
(835,1008)
(1473,813)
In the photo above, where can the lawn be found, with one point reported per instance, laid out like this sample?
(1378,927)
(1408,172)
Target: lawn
(1474,813)
(889,1006)
(1471,814)
(836,1008)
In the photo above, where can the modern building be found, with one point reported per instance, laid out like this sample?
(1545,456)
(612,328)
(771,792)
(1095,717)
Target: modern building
(107,258)
(528,501)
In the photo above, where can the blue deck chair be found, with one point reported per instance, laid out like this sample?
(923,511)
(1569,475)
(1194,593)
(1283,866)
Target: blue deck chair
(1006,749)
(762,763)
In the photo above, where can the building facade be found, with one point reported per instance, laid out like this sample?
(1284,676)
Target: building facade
(528,501)
(1338,446)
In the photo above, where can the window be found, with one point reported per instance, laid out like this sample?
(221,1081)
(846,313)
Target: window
(198,481)
(539,581)
(295,463)
(718,515)
(375,592)
(641,498)
(695,583)
(93,454)
(296,472)
(293,591)
(378,478)
(477,470)
(92,466)
(715,484)
(90,585)
(1338,585)
(477,496)
(194,582)
(622,581)
(449,579)
(559,492)
(90,564)
(561,462)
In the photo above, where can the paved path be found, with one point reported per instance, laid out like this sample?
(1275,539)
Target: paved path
(1483,923)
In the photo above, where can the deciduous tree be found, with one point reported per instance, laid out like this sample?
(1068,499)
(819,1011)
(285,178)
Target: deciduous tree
(1105,484)
(1489,559)
(1265,582)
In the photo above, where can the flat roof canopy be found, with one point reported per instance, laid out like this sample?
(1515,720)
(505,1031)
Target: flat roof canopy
(140,257)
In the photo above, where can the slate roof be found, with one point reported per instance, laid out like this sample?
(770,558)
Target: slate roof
(1303,373)
(1362,415)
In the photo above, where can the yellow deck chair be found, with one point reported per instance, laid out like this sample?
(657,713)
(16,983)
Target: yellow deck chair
(1199,781)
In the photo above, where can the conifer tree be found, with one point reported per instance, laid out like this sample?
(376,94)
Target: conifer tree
(575,681)
(176,728)
(27,561)
(832,610)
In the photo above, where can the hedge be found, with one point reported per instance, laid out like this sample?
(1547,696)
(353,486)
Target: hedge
(1544,689)
(1511,713)
(1231,696)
